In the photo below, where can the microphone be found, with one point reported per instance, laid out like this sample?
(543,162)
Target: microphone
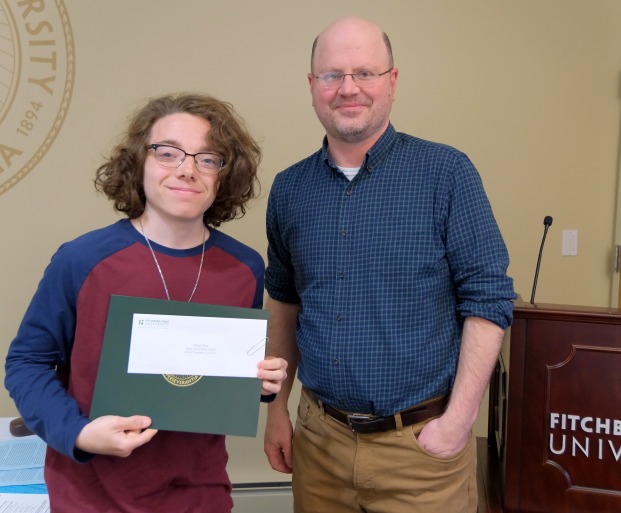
(547,221)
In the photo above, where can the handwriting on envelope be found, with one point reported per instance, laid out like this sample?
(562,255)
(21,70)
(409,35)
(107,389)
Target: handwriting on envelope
(188,345)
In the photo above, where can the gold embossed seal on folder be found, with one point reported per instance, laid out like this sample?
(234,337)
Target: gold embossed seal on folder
(181,380)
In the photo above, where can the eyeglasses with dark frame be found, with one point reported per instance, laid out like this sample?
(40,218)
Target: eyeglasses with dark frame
(362,78)
(171,156)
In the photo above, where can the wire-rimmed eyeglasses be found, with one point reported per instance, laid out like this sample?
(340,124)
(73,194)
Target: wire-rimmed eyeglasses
(362,78)
(171,156)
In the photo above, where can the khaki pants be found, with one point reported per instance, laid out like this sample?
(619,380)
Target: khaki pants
(336,470)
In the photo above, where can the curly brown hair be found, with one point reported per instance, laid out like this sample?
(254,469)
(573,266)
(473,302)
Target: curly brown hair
(120,178)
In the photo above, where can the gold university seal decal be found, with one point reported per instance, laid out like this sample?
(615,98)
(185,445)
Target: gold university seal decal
(37,69)
(181,380)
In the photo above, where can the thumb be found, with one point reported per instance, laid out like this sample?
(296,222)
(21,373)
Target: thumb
(137,422)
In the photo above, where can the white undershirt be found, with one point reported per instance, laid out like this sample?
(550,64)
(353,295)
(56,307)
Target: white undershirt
(349,172)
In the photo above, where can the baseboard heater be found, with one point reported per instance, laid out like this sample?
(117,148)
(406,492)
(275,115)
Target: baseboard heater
(263,497)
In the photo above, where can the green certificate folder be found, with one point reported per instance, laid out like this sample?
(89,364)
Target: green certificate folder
(200,404)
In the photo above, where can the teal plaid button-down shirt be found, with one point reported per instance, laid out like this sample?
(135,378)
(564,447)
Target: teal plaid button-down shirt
(385,268)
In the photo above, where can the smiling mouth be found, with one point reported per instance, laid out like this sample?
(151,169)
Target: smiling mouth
(350,111)
(350,107)
(182,190)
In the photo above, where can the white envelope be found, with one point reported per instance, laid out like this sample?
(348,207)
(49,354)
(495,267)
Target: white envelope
(189,345)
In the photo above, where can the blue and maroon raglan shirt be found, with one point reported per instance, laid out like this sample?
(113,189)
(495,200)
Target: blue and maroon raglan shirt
(52,365)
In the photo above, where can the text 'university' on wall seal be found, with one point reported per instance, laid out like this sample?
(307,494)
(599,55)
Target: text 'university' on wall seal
(37,71)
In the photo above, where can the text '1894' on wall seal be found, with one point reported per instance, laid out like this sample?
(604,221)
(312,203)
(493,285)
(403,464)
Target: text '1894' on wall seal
(37,70)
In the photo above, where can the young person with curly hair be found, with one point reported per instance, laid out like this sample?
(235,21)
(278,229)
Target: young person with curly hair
(185,165)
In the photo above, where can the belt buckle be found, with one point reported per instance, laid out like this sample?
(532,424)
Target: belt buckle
(354,419)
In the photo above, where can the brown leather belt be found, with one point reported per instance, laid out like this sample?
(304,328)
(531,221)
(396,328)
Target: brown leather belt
(364,424)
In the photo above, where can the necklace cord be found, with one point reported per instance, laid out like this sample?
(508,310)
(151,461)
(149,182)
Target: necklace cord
(159,269)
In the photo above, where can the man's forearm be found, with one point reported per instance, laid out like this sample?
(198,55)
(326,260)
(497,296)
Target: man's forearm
(480,345)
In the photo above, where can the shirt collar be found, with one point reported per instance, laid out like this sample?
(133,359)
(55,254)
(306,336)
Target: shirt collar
(378,152)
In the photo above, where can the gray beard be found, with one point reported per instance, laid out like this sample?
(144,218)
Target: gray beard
(351,134)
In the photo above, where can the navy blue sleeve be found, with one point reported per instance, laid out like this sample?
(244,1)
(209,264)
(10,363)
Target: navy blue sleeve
(279,275)
(476,252)
(39,354)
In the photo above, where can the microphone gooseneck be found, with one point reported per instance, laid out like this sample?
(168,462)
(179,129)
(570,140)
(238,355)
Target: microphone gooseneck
(547,221)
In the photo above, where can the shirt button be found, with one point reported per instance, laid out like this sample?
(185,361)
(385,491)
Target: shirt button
(341,275)
(344,233)
(336,362)
(339,317)
(349,192)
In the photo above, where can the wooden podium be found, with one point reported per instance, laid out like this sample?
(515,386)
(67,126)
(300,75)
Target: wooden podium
(555,411)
